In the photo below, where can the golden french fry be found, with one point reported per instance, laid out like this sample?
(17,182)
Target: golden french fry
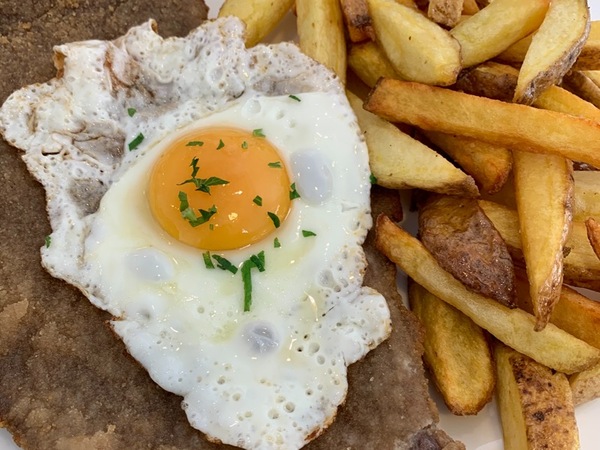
(551,346)
(399,161)
(585,385)
(445,12)
(470,7)
(535,403)
(260,16)
(417,48)
(321,33)
(358,20)
(489,164)
(593,233)
(544,192)
(581,265)
(549,58)
(496,27)
(369,63)
(587,194)
(512,125)
(580,84)
(456,352)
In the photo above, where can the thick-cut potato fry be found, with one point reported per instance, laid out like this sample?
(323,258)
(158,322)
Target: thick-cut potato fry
(574,312)
(399,161)
(260,16)
(321,33)
(593,75)
(507,124)
(369,63)
(496,27)
(579,83)
(587,194)
(535,403)
(470,7)
(489,164)
(551,346)
(418,49)
(456,352)
(581,265)
(585,385)
(358,20)
(593,233)
(544,195)
(445,12)
(554,48)
(558,99)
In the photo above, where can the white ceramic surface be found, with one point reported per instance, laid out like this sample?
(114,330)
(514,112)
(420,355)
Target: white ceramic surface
(481,432)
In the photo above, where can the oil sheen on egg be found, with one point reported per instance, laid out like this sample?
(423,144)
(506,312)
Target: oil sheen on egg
(224,234)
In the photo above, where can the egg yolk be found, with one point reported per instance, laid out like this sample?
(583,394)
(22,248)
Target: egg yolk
(220,188)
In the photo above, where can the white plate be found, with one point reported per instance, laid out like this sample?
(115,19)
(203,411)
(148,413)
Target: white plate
(481,432)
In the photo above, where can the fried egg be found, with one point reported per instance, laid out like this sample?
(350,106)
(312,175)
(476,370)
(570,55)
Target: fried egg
(214,200)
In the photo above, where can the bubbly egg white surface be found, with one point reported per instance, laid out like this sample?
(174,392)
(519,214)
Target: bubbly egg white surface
(268,378)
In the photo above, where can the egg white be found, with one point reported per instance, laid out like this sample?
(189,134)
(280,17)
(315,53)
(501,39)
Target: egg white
(269,378)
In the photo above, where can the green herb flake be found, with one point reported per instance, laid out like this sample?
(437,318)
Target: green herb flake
(293,97)
(194,144)
(293,192)
(224,264)
(131,111)
(308,233)
(258,200)
(372,179)
(221,144)
(211,226)
(276,243)
(259,261)
(136,142)
(275,165)
(258,133)
(254,262)
(244,145)
(202,184)
(48,241)
(207,261)
(275,219)
(188,213)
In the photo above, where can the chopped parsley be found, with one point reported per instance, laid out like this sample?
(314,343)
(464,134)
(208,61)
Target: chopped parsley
(259,261)
(275,164)
(224,264)
(258,200)
(207,261)
(276,243)
(258,133)
(221,144)
(308,233)
(275,219)
(372,179)
(194,144)
(244,145)
(188,213)
(131,111)
(202,184)
(254,262)
(136,142)
(293,192)
(48,241)
(293,97)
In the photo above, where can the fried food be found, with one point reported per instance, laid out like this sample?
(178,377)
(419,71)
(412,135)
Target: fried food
(465,243)
(456,352)
(358,20)
(445,12)
(369,63)
(585,385)
(586,201)
(593,233)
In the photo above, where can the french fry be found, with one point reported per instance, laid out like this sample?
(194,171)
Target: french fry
(574,312)
(593,233)
(585,385)
(535,403)
(369,63)
(581,265)
(496,27)
(548,58)
(445,12)
(587,195)
(580,84)
(593,75)
(489,164)
(551,346)
(507,124)
(417,48)
(321,33)
(399,161)
(456,352)
(358,20)
(470,7)
(260,16)
(544,192)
